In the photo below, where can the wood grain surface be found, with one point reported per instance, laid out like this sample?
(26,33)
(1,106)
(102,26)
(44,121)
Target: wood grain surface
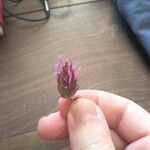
(30,141)
(94,36)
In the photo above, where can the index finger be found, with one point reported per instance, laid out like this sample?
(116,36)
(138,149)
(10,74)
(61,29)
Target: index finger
(127,118)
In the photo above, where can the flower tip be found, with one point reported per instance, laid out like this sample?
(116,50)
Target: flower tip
(67,76)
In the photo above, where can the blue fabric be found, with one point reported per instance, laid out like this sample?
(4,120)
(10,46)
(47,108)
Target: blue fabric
(137,15)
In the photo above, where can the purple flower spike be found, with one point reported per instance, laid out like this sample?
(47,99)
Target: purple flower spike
(67,77)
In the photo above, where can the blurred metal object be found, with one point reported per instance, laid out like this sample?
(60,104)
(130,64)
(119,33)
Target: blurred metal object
(1,31)
(1,17)
(46,7)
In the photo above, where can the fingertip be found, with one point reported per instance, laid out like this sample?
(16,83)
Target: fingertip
(63,105)
(52,127)
(61,101)
(42,123)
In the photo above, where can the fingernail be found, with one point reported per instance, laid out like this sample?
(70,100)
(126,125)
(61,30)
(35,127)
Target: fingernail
(82,110)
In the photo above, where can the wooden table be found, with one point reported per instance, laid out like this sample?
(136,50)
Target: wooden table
(90,32)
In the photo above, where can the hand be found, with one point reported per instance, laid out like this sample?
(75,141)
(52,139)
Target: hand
(98,120)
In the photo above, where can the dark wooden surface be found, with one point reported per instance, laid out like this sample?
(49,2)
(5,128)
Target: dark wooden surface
(90,32)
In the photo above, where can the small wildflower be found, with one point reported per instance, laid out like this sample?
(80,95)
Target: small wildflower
(67,77)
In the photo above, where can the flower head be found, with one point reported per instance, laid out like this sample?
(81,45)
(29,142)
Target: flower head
(67,76)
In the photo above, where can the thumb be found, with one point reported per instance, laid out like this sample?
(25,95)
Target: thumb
(88,129)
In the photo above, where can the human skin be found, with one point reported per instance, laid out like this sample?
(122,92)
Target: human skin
(98,120)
